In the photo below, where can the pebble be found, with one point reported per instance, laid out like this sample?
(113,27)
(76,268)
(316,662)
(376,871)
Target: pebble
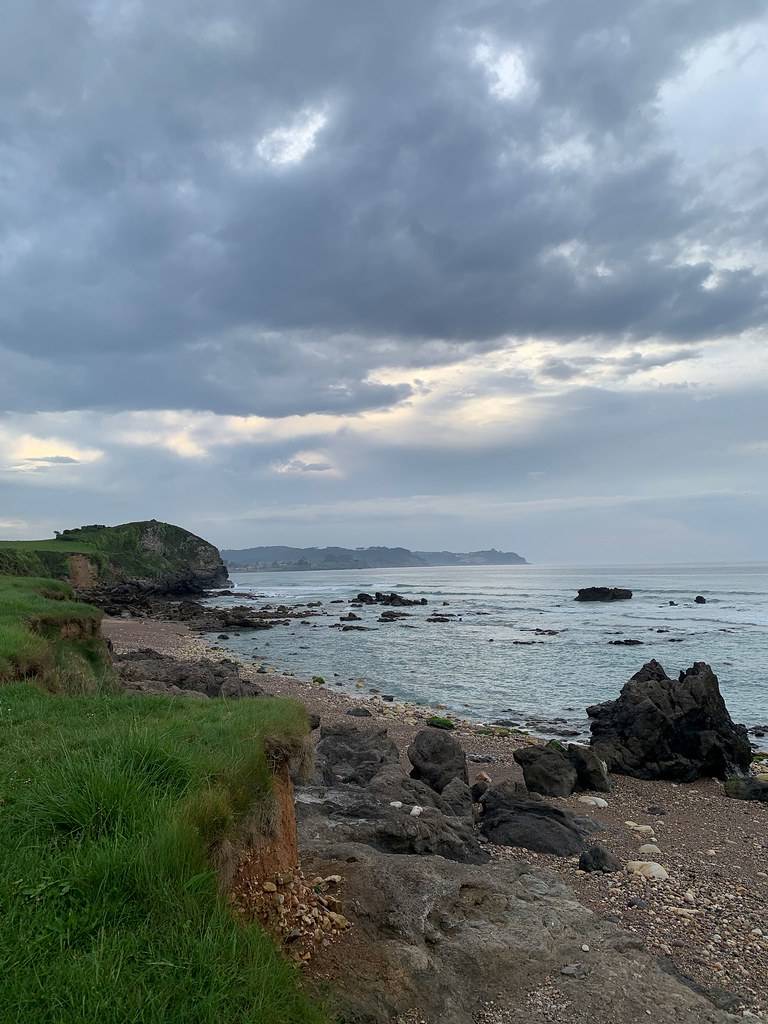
(648,848)
(593,801)
(416,811)
(649,869)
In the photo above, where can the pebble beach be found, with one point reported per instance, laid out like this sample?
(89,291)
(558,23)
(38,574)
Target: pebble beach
(708,921)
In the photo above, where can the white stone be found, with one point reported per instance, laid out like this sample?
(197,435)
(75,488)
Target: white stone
(643,830)
(648,848)
(648,869)
(416,811)
(593,801)
(396,803)
(585,948)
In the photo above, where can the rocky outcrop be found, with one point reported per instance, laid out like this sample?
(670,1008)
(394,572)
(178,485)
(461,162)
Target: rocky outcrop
(437,758)
(434,940)
(660,728)
(347,754)
(553,770)
(509,818)
(362,794)
(547,770)
(603,594)
(597,858)
(146,671)
(747,789)
(391,599)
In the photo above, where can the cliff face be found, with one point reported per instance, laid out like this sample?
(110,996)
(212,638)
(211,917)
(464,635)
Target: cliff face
(164,557)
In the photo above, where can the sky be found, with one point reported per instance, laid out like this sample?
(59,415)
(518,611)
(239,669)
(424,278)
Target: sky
(447,274)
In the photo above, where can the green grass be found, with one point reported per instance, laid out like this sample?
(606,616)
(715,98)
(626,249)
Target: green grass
(33,613)
(141,550)
(109,808)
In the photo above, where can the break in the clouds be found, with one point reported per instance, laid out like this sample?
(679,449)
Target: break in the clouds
(344,256)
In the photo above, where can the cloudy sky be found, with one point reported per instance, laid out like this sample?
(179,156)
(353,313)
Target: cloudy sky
(454,273)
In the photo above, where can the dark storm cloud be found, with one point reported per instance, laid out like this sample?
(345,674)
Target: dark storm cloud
(148,250)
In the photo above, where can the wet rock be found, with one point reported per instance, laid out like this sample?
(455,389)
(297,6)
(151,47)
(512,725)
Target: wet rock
(699,599)
(437,758)
(603,594)
(664,729)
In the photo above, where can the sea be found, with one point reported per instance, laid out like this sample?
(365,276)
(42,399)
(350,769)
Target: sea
(496,659)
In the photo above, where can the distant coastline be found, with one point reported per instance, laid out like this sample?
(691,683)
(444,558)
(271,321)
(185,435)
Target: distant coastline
(287,559)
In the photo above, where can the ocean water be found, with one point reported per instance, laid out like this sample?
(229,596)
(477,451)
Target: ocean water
(477,666)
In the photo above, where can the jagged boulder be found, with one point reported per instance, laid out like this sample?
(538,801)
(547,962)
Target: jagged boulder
(437,758)
(553,770)
(349,754)
(547,769)
(508,819)
(591,771)
(660,728)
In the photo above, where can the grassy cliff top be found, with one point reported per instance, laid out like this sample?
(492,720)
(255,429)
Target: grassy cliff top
(34,614)
(147,550)
(109,807)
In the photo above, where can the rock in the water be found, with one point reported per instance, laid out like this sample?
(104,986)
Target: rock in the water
(747,789)
(437,758)
(604,594)
(547,769)
(659,728)
(699,599)
(597,858)
(348,754)
(510,820)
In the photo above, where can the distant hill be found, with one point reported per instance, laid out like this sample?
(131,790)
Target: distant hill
(308,559)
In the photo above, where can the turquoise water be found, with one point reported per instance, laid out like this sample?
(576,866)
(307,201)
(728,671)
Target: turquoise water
(473,664)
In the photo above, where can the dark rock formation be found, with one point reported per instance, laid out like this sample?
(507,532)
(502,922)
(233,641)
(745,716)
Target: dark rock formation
(699,599)
(547,770)
(509,819)
(392,599)
(597,858)
(458,796)
(358,712)
(437,758)
(146,671)
(591,772)
(554,771)
(747,789)
(660,728)
(603,594)
(348,754)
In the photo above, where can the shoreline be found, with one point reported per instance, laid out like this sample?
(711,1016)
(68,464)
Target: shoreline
(706,923)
